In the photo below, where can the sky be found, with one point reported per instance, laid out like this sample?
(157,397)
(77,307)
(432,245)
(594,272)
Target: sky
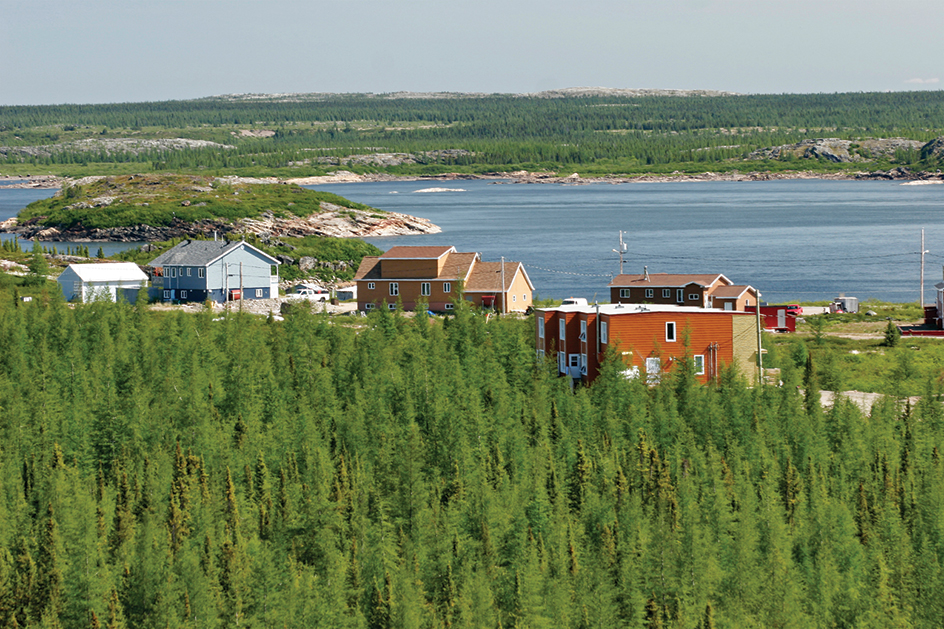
(106,51)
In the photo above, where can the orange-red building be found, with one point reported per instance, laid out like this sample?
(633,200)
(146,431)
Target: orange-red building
(650,338)
(436,275)
(699,290)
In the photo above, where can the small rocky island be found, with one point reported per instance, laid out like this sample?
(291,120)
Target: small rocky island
(161,207)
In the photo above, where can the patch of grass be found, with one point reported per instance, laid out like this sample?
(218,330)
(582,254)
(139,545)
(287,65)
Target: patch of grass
(158,200)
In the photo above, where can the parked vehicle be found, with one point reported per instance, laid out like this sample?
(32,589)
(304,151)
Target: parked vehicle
(310,293)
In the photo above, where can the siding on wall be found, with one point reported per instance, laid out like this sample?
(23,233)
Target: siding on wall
(640,335)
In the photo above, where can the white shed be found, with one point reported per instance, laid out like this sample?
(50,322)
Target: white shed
(102,280)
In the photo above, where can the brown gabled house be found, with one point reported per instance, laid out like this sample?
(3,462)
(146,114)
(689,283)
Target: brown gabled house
(698,290)
(436,275)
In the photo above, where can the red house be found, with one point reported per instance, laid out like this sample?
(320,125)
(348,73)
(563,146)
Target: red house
(651,338)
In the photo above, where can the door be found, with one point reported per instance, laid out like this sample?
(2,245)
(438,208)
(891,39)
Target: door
(781,318)
(574,365)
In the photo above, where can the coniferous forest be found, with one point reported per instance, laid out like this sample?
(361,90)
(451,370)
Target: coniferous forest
(191,470)
(310,134)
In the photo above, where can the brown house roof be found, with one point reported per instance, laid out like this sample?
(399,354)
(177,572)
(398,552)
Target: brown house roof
(667,280)
(369,269)
(417,253)
(457,266)
(733,291)
(486,277)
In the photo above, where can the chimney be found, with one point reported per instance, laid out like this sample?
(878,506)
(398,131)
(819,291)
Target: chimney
(645,273)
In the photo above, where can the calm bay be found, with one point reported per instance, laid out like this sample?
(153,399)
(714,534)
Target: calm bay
(795,240)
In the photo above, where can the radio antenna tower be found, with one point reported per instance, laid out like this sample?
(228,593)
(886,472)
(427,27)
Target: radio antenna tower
(621,250)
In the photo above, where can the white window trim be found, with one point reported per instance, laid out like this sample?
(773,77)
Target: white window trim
(394,289)
(650,293)
(667,293)
(583,330)
(624,293)
(189,269)
(680,295)
(258,293)
(368,306)
(447,287)
(693,297)
(514,298)
(670,326)
(425,289)
(391,306)
(201,272)
(540,354)
(604,331)
(183,294)
(173,271)
(562,329)
(583,364)
(450,306)
(699,361)
(371,286)
(166,294)
(541,327)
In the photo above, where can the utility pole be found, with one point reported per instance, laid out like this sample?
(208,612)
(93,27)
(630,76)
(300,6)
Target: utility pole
(760,350)
(621,250)
(923,251)
(504,295)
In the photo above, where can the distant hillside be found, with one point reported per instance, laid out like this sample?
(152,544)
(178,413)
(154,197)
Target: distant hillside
(594,131)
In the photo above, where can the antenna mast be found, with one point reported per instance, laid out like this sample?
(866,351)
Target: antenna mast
(923,251)
(621,250)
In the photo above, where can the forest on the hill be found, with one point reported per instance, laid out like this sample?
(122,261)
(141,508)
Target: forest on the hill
(598,134)
(188,470)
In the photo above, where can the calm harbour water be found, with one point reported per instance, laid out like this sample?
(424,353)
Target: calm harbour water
(797,240)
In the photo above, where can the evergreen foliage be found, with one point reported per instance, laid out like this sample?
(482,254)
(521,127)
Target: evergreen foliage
(172,470)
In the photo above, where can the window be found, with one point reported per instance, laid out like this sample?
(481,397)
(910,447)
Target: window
(447,287)
(699,360)
(368,306)
(561,362)
(693,297)
(653,370)
(166,294)
(183,294)
(670,331)
(394,289)
(680,295)
(514,298)
(624,293)
(666,293)
(189,269)
(424,289)
(258,293)
(603,332)
(391,306)
(650,293)
(540,354)
(583,364)
(583,330)
(562,328)
(540,326)
(201,272)
(450,306)
(371,286)
(173,271)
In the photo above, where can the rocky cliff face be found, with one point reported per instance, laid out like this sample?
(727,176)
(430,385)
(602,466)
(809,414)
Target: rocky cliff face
(836,150)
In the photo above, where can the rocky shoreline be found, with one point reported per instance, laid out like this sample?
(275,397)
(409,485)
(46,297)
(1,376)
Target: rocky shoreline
(335,221)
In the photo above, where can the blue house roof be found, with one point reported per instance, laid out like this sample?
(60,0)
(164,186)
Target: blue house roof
(202,253)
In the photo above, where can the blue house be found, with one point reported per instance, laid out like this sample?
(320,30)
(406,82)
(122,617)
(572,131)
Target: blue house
(197,270)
